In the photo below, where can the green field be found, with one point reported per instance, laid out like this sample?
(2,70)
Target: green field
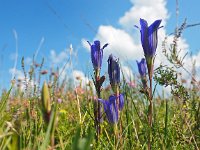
(58,114)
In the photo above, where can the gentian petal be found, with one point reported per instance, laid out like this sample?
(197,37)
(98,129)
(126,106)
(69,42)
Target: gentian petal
(149,37)
(142,67)
(113,70)
(117,72)
(154,26)
(105,104)
(105,46)
(144,35)
(112,98)
(153,37)
(121,101)
(97,44)
(96,54)
(89,43)
(110,109)
(113,112)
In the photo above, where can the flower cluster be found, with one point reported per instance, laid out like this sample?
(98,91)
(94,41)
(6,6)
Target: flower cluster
(149,40)
(96,57)
(115,103)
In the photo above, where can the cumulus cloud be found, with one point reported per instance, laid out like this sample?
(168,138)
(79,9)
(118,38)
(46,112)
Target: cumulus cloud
(18,74)
(28,60)
(85,44)
(79,76)
(182,47)
(146,9)
(121,44)
(58,58)
(127,72)
(195,58)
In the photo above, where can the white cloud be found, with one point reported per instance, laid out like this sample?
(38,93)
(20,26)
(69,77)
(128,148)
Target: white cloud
(121,44)
(196,58)
(166,90)
(18,74)
(182,46)
(127,72)
(85,44)
(149,10)
(79,76)
(58,58)
(28,60)
(188,64)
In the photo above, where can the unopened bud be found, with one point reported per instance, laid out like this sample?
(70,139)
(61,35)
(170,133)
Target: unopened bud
(46,106)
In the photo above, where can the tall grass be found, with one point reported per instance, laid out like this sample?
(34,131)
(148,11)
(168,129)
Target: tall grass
(176,118)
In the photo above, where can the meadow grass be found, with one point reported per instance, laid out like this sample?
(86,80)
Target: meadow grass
(23,124)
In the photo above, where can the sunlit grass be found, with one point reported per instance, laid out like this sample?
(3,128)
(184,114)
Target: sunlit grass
(28,123)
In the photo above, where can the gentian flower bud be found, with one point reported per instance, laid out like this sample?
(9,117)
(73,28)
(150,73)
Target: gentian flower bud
(96,54)
(142,67)
(114,72)
(142,70)
(111,109)
(121,102)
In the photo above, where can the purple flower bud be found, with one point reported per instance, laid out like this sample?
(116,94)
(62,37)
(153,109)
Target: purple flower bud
(142,67)
(121,102)
(143,71)
(113,70)
(96,54)
(110,107)
(149,37)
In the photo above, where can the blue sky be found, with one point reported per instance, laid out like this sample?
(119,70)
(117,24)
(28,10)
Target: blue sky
(64,22)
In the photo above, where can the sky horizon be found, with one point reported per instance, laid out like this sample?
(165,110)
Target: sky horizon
(48,28)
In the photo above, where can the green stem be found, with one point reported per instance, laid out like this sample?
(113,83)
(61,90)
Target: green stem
(97,105)
(150,114)
(99,113)
(116,134)
(166,120)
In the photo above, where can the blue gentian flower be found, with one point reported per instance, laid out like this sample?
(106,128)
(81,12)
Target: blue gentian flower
(142,67)
(149,37)
(111,109)
(113,70)
(96,54)
(143,71)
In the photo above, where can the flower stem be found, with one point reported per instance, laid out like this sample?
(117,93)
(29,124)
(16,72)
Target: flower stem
(116,134)
(97,105)
(150,114)
(99,114)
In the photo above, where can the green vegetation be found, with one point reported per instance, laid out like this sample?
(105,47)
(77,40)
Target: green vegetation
(60,115)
